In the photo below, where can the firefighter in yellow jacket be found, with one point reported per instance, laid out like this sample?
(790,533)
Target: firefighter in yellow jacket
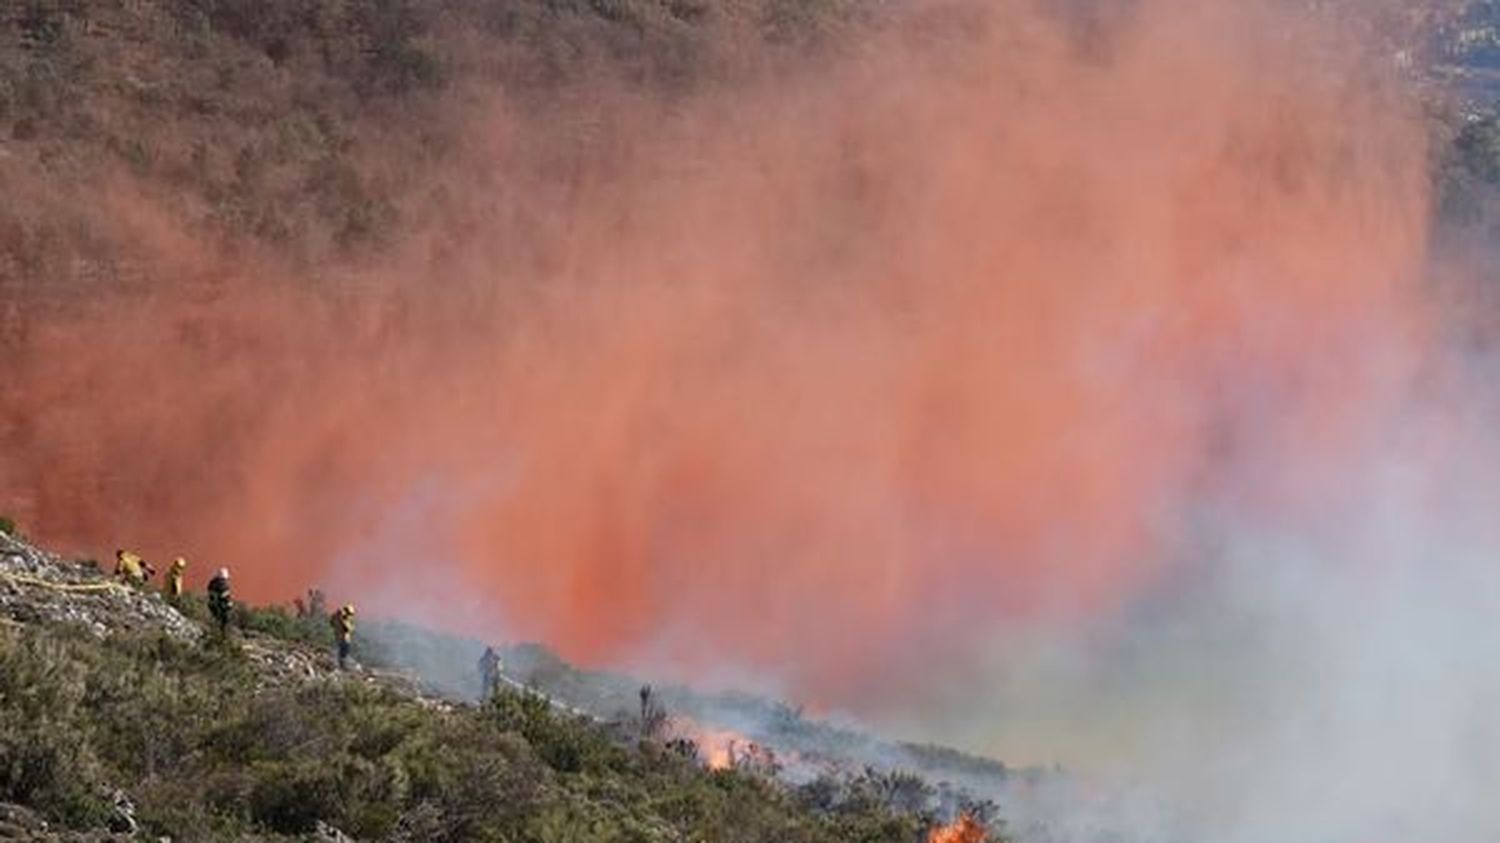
(131,569)
(342,622)
(173,587)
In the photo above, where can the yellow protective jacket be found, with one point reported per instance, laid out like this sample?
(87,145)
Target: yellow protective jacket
(343,625)
(174,577)
(128,567)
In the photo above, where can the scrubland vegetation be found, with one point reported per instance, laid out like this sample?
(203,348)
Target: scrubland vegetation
(206,746)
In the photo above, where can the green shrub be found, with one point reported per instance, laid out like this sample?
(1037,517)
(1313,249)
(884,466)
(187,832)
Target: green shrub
(291,797)
(46,760)
(283,623)
(194,606)
(566,743)
(209,748)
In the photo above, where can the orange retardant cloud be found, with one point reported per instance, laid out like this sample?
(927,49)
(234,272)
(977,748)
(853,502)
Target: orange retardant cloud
(806,374)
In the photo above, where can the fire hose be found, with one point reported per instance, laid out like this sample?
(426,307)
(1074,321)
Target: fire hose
(551,700)
(105,585)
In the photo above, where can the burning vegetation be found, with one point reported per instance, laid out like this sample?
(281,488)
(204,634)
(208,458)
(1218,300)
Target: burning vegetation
(965,829)
(722,749)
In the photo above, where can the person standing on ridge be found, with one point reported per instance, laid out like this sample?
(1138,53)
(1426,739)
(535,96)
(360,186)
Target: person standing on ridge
(173,586)
(219,602)
(342,622)
(489,671)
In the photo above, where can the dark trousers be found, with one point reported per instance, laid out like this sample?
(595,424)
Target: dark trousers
(344,647)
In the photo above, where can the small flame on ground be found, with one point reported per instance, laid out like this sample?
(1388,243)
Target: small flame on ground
(718,750)
(724,749)
(965,829)
(718,747)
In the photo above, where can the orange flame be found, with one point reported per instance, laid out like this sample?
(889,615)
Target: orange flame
(718,747)
(965,829)
(724,749)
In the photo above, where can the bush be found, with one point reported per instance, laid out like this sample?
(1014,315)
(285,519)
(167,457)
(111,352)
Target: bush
(46,761)
(291,797)
(209,748)
(194,606)
(566,743)
(282,623)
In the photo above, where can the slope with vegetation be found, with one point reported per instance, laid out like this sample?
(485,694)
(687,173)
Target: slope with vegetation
(313,128)
(310,128)
(122,714)
(806,746)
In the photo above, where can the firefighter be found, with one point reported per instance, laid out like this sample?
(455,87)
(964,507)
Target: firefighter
(489,671)
(173,586)
(219,602)
(129,567)
(342,622)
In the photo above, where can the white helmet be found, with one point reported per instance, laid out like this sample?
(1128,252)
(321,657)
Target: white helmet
(223,573)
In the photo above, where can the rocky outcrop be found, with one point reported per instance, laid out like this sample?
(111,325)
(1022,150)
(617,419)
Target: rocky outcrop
(18,823)
(39,588)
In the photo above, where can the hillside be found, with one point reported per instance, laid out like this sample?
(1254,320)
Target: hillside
(805,746)
(313,130)
(321,131)
(614,317)
(119,714)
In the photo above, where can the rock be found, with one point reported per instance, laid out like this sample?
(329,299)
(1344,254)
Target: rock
(17,823)
(122,821)
(36,587)
(325,833)
(20,823)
